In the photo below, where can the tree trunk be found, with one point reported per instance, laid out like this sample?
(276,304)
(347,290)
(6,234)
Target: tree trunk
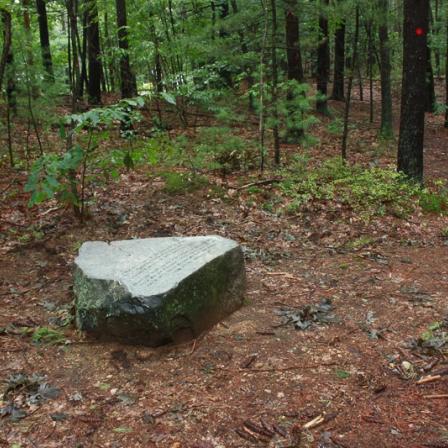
(30,70)
(412,121)
(436,29)
(76,73)
(275,84)
(323,60)
(430,103)
(293,54)
(93,53)
(386,129)
(82,45)
(294,59)
(370,62)
(7,40)
(339,62)
(446,71)
(349,86)
(108,45)
(128,81)
(44,36)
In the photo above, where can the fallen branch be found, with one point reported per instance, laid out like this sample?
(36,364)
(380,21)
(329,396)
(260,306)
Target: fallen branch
(260,182)
(315,422)
(282,274)
(9,186)
(429,379)
(286,369)
(436,396)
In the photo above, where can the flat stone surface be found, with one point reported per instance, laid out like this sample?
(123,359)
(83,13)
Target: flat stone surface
(146,290)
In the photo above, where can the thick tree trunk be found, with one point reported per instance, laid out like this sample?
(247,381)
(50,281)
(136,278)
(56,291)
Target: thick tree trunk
(294,60)
(7,40)
(386,129)
(93,53)
(293,54)
(339,63)
(323,60)
(412,121)
(44,39)
(128,81)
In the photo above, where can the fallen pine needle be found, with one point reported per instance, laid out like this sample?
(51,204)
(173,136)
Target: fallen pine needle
(436,396)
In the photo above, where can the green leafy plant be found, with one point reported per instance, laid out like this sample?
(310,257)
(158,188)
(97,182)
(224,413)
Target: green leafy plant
(368,191)
(64,176)
(342,374)
(433,201)
(46,335)
(178,183)
(218,148)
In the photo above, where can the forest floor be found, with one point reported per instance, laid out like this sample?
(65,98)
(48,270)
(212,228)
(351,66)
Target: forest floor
(252,380)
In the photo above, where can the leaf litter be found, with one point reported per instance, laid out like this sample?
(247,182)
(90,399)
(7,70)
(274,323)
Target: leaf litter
(307,316)
(24,390)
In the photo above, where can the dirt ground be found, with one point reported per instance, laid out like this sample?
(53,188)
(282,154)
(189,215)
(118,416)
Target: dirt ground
(252,380)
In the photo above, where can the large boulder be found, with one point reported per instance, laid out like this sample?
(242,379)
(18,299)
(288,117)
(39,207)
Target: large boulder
(157,290)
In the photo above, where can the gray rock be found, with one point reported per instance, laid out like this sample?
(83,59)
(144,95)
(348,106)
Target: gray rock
(157,290)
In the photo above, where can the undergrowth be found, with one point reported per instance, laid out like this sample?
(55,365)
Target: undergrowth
(368,192)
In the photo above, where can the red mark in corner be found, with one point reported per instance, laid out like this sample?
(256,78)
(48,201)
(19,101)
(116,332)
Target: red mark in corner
(419,32)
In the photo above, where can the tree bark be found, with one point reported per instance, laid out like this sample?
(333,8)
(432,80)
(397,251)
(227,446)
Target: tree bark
(128,80)
(275,84)
(349,86)
(44,36)
(339,63)
(430,90)
(386,128)
(30,71)
(412,121)
(76,73)
(323,60)
(7,40)
(294,60)
(93,53)
(446,71)
(293,54)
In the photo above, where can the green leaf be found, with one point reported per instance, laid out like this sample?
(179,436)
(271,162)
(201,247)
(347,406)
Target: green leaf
(342,374)
(170,99)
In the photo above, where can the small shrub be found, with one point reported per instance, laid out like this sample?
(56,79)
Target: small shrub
(179,183)
(45,335)
(434,202)
(219,149)
(367,191)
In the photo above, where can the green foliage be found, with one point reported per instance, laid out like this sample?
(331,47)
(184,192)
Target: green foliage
(180,183)
(45,335)
(342,374)
(64,176)
(218,148)
(49,176)
(369,192)
(434,202)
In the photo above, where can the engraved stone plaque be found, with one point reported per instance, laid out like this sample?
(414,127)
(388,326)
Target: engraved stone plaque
(156,290)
